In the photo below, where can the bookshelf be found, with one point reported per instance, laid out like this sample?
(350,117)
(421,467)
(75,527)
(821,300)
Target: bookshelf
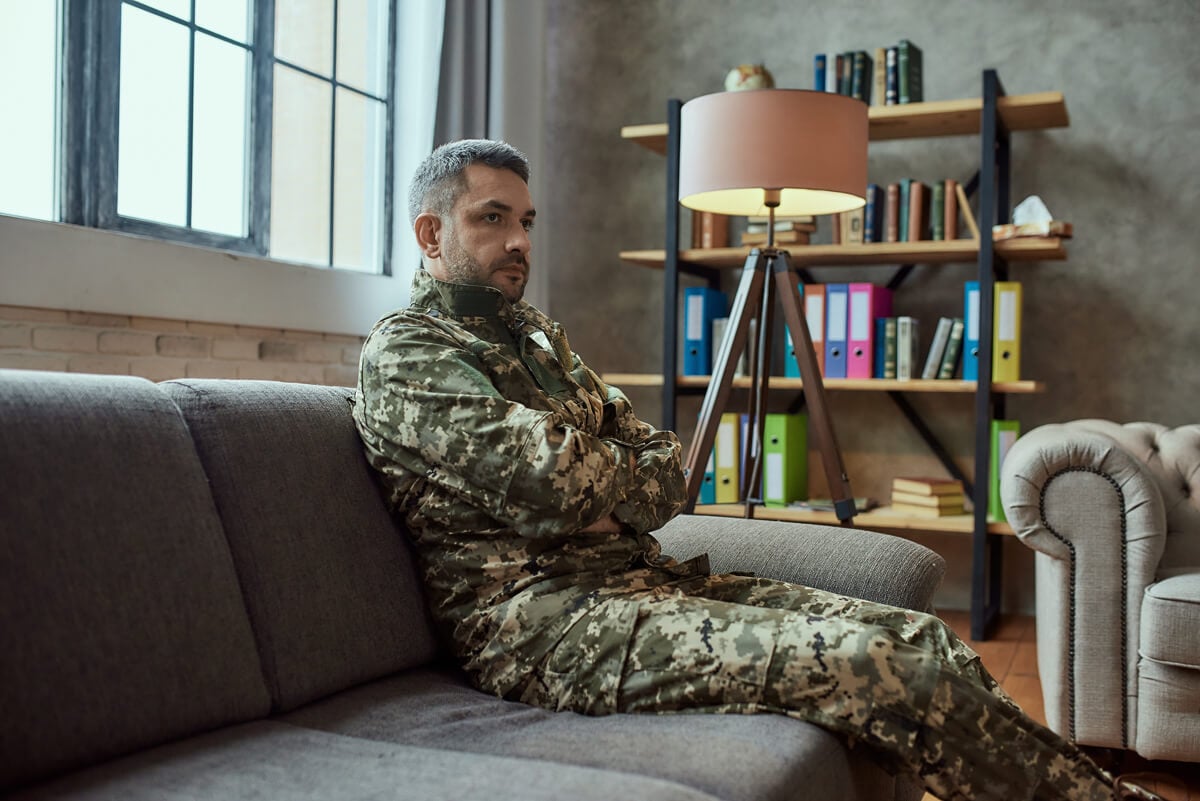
(991,117)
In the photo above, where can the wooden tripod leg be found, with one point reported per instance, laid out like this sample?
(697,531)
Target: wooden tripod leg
(814,388)
(749,295)
(760,383)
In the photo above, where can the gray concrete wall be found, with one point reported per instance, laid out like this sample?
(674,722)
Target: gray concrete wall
(1112,331)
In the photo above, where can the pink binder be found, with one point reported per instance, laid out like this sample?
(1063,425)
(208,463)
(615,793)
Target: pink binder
(867,301)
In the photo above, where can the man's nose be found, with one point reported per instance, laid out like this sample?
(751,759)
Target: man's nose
(519,241)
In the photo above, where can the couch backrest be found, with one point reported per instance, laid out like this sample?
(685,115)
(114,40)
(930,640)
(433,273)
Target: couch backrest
(1173,458)
(328,578)
(121,617)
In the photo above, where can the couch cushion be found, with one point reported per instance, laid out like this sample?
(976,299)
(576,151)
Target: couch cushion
(734,757)
(121,619)
(1171,620)
(269,760)
(332,592)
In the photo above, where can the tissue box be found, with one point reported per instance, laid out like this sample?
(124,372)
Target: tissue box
(1045,228)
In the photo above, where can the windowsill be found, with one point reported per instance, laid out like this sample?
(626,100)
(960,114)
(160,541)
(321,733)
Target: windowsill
(60,266)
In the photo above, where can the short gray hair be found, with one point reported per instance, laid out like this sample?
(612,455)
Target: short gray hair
(440,181)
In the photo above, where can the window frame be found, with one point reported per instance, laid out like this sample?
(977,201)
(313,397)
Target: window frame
(90,113)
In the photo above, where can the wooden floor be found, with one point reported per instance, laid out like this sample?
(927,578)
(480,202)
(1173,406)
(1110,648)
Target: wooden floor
(1011,656)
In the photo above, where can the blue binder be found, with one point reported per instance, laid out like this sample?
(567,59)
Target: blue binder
(837,299)
(701,306)
(708,487)
(970,349)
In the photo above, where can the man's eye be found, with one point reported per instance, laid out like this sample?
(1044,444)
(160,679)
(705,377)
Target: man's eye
(492,217)
(527,225)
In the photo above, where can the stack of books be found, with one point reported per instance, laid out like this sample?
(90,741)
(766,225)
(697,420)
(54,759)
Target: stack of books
(788,230)
(928,497)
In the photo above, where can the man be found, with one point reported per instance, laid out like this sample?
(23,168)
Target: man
(530,489)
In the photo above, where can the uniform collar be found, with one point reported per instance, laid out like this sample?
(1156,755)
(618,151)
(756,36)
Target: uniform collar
(464,300)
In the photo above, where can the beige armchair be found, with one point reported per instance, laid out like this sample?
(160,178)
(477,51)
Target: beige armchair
(1113,512)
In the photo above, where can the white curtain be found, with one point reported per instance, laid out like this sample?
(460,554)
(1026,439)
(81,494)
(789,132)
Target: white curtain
(418,57)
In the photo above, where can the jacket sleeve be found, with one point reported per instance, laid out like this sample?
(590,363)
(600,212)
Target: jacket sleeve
(429,407)
(660,491)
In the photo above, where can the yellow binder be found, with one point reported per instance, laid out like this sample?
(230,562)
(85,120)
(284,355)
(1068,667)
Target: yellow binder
(726,452)
(1006,332)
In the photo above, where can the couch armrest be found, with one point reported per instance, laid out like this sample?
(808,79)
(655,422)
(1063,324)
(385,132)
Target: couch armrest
(1095,517)
(855,562)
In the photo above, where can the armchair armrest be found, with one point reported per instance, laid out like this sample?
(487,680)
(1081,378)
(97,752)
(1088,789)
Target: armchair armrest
(855,562)
(1095,516)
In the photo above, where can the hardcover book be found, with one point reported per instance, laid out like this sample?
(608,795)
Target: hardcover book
(926,485)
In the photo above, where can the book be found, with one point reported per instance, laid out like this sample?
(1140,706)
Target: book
(760,225)
(889,347)
(892,78)
(950,357)
(937,211)
(909,69)
(845,73)
(852,227)
(891,213)
(826,504)
(833,70)
(935,501)
(873,214)
(860,76)
(950,211)
(905,205)
(928,511)
(781,238)
(933,359)
(918,211)
(819,72)
(879,83)
(714,230)
(927,485)
(1047,228)
(907,347)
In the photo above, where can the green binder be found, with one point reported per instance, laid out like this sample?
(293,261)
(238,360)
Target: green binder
(1004,434)
(785,459)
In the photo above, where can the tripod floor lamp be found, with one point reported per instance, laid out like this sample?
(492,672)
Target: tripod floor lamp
(766,152)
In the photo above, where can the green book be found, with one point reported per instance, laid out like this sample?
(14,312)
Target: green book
(905,191)
(785,459)
(950,356)
(1004,434)
(908,68)
(937,210)
(889,347)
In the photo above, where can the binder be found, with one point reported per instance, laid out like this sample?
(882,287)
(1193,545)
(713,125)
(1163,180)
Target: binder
(791,366)
(726,458)
(708,487)
(970,351)
(867,303)
(785,459)
(702,305)
(1006,341)
(1004,434)
(837,300)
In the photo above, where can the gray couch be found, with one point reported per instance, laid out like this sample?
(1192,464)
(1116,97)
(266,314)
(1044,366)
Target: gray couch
(1113,512)
(203,596)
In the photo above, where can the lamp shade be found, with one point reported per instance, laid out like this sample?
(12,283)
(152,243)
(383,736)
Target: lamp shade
(810,145)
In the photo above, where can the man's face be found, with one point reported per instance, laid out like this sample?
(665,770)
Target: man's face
(486,240)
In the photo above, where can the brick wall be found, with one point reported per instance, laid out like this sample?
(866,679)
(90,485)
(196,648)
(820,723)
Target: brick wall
(159,349)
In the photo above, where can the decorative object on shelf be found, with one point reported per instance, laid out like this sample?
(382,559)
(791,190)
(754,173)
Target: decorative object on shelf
(1031,218)
(744,77)
(786,152)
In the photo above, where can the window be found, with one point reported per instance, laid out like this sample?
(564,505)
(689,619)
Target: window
(259,126)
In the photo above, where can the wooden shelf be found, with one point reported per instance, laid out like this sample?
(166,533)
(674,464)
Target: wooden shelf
(1034,248)
(882,518)
(1030,112)
(834,384)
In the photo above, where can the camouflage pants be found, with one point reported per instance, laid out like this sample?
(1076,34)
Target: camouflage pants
(894,681)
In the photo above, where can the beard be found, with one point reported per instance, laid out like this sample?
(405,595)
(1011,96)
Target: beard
(508,274)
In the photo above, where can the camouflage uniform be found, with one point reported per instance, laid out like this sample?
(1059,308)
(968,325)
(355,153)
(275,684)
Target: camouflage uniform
(498,445)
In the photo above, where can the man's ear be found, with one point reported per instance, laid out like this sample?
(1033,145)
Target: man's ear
(428,228)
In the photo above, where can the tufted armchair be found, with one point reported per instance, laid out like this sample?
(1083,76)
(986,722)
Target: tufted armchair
(1113,512)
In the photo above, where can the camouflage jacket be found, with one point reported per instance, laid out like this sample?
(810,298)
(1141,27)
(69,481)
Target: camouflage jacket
(497,445)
